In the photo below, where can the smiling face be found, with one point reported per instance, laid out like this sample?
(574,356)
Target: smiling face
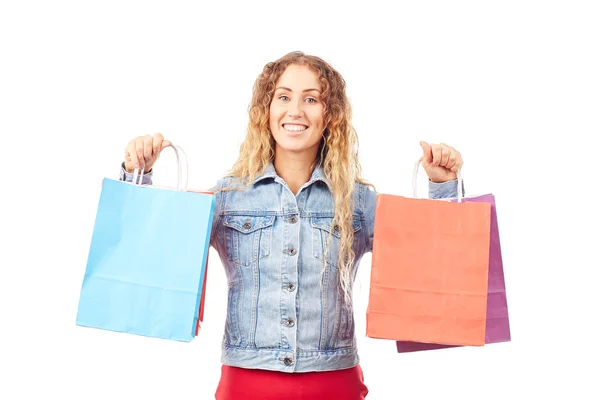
(296,113)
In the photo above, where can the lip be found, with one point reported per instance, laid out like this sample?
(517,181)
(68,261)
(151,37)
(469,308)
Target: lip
(293,133)
(293,123)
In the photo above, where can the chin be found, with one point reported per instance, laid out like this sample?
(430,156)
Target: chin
(294,146)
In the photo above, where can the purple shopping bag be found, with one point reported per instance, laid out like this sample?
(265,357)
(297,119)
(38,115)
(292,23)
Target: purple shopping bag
(497,322)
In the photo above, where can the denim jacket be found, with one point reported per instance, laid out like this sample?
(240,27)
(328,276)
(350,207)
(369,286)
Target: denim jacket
(271,243)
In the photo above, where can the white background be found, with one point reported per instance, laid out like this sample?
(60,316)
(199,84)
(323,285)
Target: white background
(514,85)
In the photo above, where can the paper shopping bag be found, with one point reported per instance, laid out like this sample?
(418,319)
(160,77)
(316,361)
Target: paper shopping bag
(497,320)
(202,300)
(429,273)
(203,296)
(147,261)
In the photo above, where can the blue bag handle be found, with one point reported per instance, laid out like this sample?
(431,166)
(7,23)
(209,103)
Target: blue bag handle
(182,164)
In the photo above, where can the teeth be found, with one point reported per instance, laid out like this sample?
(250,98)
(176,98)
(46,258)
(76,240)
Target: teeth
(294,128)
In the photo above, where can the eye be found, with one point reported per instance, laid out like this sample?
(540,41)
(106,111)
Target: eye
(311,100)
(283,97)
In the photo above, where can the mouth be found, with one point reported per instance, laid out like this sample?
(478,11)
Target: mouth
(295,127)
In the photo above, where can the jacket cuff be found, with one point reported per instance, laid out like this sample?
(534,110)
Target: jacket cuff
(128,177)
(445,190)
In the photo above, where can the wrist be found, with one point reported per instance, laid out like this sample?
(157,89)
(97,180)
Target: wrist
(441,180)
(124,166)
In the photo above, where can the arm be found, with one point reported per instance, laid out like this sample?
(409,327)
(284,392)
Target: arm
(216,215)
(368,199)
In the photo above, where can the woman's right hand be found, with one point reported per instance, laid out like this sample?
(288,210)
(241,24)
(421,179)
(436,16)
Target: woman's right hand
(143,151)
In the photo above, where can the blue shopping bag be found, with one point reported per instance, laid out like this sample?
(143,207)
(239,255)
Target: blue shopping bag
(147,260)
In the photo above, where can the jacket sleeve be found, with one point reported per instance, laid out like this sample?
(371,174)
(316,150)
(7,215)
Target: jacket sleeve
(214,234)
(127,177)
(445,190)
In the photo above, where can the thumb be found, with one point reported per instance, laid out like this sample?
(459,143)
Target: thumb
(427,156)
(165,144)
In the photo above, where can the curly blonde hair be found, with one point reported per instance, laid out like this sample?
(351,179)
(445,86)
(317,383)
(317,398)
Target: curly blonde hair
(338,151)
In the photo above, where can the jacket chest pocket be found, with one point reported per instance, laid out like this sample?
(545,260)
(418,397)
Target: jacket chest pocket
(248,238)
(321,229)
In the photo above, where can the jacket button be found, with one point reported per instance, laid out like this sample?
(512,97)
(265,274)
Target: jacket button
(289,322)
(291,252)
(336,229)
(287,361)
(294,219)
(247,225)
(290,287)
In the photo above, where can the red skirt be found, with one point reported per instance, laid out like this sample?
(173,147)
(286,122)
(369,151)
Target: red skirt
(255,384)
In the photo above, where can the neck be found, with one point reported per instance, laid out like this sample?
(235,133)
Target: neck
(294,168)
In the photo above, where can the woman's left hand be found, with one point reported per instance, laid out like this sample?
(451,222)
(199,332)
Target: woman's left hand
(441,162)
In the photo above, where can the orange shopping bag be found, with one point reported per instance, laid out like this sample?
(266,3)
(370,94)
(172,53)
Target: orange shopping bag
(429,271)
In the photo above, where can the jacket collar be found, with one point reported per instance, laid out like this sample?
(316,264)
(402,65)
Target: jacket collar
(317,175)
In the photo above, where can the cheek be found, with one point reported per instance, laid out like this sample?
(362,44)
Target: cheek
(317,117)
(272,117)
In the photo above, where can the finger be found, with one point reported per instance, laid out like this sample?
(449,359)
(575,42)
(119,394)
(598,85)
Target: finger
(445,156)
(451,150)
(157,143)
(458,163)
(426,152)
(436,152)
(131,160)
(451,160)
(139,151)
(148,148)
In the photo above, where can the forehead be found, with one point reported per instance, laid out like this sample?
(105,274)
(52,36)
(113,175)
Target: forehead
(298,78)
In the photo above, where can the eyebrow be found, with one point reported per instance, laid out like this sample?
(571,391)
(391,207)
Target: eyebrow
(305,90)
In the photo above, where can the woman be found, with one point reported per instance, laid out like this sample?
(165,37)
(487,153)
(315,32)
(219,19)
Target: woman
(293,219)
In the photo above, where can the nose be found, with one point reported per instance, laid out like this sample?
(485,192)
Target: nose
(295,109)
